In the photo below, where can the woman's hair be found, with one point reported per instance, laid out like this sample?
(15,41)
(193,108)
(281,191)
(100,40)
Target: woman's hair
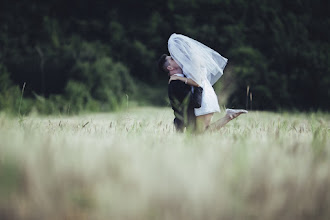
(162,63)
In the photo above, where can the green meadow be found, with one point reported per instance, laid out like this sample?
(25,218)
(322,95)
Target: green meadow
(133,165)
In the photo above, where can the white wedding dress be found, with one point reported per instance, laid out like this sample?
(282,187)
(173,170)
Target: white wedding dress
(200,63)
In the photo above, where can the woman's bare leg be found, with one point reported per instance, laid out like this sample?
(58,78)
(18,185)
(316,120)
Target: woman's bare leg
(203,122)
(230,115)
(219,123)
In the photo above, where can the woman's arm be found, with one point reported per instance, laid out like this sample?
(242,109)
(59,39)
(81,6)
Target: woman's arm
(184,79)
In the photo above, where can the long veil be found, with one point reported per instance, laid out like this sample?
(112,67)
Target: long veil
(197,61)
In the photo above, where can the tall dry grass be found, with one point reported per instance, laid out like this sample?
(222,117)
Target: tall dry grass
(133,165)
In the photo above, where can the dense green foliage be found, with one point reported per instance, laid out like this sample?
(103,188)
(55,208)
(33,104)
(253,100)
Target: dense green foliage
(92,55)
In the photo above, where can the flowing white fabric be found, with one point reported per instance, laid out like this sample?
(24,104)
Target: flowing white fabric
(197,61)
(200,63)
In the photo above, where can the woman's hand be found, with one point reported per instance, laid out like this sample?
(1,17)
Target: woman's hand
(183,79)
(174,77)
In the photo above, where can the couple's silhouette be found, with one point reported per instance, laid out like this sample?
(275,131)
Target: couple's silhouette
(193,68)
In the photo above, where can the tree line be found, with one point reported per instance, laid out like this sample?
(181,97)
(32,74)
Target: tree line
(98,55)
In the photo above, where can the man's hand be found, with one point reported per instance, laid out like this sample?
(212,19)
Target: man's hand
(174,77)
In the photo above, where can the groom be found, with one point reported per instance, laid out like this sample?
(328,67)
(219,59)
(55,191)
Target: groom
(185,98)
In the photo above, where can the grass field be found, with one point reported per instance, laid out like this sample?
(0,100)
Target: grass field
(133,165)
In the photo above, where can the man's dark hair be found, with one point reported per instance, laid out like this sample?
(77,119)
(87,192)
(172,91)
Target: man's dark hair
(161,63)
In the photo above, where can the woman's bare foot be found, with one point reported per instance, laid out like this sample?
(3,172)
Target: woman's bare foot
(233,113)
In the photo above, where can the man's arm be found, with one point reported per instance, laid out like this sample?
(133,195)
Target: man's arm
(196,97)
(178,90)
(184,79)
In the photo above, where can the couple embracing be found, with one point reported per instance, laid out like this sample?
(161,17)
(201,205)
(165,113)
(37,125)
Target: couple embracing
(193,68)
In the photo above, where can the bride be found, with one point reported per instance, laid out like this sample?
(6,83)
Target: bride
(202,67)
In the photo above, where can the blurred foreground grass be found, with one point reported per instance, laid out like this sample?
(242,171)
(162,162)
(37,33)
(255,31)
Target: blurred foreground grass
(132,165)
